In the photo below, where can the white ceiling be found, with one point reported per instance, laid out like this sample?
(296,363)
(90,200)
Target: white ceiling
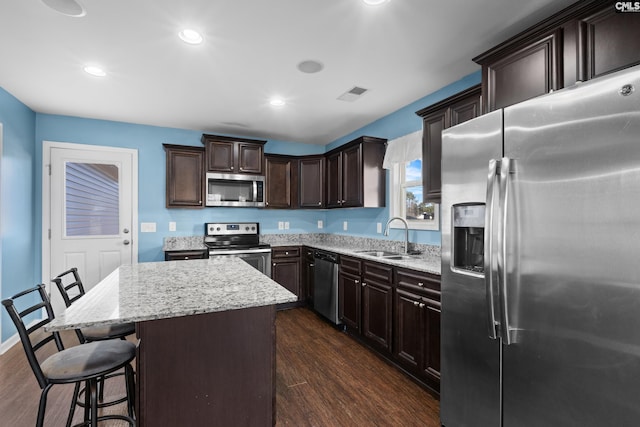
(400,51)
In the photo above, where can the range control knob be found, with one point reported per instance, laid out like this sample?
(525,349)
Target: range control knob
(253,229)
(246,228)
(218,229)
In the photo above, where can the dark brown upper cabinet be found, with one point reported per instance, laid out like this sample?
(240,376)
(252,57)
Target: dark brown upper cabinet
(234,155)
(355,177)
(311,182)
(584,41)
(449,112)
(185,176)
(281,181)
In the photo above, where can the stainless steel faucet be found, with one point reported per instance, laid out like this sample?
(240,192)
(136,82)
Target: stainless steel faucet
(406,232)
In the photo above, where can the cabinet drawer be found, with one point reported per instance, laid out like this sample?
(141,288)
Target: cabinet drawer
(350,265)
(185,255)
(417,281)
(380,273)
(285,252)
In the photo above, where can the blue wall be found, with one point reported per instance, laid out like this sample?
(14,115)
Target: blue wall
(21,217)
(17,211)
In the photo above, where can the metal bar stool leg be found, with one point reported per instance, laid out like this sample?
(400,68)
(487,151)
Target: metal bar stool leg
(42,407)
(72,409)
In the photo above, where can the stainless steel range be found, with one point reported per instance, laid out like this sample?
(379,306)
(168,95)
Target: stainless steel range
(241,239)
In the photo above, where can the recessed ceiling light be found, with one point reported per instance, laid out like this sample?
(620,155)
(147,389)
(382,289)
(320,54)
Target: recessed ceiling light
(375,2)
(66,7)
(94,71)
(310,66)
(190,36)
(277,102)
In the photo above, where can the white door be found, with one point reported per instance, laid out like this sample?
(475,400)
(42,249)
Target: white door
(91,212)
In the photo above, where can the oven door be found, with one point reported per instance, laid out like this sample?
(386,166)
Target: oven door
(260,259)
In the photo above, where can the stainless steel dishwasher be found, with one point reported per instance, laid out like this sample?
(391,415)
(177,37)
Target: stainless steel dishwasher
(325,290)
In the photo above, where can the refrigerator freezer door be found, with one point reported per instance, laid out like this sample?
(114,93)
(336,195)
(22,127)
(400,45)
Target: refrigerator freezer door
(470,376)
(573,263)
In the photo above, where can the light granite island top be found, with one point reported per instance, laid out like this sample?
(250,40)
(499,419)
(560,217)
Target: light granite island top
(160,290)
(206,331)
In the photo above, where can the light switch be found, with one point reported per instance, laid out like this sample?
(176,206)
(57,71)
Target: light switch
(286,225)
(345,225)
(147,227)
(320,224)
(280,225)
(172,226)
(379,227)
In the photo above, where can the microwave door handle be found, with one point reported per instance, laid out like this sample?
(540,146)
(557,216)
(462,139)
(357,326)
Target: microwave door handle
(489,272)
(255,191)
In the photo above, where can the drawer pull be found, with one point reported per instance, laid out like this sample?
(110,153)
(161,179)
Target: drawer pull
(416,303)
(421,305)
(420,284)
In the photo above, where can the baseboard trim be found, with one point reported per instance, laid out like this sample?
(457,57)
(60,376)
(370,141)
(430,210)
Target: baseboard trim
(14,339)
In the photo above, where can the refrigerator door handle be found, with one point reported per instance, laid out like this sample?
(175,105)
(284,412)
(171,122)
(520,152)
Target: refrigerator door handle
(507,167)
(489,272)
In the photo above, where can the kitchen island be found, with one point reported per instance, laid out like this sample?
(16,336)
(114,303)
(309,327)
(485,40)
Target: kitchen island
(207,338)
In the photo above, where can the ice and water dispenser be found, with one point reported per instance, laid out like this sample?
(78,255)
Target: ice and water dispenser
(468,237)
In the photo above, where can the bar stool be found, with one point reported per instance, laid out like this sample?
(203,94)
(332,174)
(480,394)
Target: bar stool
(96,333)
(84,363)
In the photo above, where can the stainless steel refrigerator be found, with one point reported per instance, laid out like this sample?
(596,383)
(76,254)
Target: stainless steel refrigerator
(541,261)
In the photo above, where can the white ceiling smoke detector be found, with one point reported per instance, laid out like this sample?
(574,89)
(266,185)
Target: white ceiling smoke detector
(353,94)
(66,7)
(310,66)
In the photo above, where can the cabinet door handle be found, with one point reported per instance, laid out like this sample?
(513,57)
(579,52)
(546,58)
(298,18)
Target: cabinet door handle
(421,305)
(312,265)
(420,284)
(416,303)
(274,264)
(364,284)
(319,203)
(186,257)
(356,281)
(286,253)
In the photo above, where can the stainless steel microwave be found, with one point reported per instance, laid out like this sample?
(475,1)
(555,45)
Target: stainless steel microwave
(235,190)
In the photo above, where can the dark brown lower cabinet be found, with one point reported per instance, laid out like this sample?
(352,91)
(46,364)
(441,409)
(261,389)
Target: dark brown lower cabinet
(377,305)
(366,301)
(417,326)
(308,275)
(285,267)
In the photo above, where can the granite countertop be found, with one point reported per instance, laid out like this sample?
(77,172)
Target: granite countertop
(160,290)
(428,261)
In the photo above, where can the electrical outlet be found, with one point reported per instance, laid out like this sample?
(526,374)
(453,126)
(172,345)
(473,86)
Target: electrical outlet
(147,227)
(379,227)
(280,225)
(345,225)
(172,226)
(320,224)
(286,225)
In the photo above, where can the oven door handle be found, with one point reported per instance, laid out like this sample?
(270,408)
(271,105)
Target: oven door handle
(239,251)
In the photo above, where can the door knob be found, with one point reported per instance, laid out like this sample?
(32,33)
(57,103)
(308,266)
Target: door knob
(126,242)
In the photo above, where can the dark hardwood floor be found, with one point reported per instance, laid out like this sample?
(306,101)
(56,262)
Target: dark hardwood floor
(324,378)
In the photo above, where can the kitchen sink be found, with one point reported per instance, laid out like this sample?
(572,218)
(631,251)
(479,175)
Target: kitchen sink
(399,257)
(379,254)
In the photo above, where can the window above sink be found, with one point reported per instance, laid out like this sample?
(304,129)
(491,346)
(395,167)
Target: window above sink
(405,195)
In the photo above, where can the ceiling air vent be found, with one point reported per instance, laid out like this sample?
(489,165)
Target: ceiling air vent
(352,94)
